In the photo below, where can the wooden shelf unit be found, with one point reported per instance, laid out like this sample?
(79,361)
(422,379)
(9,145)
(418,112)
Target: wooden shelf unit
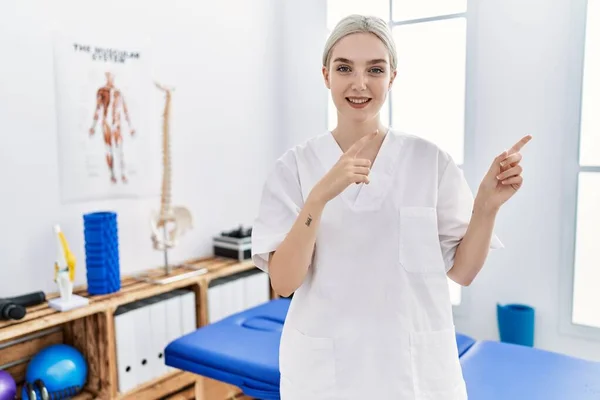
(91,330)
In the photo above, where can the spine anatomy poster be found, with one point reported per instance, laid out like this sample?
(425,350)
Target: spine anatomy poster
(108,121)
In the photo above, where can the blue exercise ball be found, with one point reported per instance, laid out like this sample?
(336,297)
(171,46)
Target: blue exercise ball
(61,367)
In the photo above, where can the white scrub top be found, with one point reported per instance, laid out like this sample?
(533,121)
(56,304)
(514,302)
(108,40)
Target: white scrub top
(372,318)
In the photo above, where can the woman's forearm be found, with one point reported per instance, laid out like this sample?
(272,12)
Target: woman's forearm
(474,247)
(289,264)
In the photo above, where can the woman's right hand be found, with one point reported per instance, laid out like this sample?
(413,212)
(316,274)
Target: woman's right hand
(347,170)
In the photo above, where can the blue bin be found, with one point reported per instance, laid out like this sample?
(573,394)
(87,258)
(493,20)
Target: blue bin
(516,324)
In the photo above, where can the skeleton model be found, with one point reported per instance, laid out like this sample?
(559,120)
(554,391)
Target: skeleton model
(110,103)
(170,222)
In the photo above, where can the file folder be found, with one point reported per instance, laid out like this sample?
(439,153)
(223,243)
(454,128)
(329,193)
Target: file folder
(214,301)
(125,348)
(158,335)
(145,361)
(227,297)
(144,328)
(232,294)
(188,311)
(256,289)
(173,319)
(238,297)
(216,306)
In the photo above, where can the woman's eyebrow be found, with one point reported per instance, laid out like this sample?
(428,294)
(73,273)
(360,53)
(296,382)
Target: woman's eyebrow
(371,62)
(377,61)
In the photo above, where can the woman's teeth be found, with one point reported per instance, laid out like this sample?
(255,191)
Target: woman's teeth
(358,101)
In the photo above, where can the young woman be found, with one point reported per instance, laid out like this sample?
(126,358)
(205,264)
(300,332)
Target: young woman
(364,224)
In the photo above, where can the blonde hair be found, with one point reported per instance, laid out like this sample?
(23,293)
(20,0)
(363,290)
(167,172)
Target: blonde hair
(361,24)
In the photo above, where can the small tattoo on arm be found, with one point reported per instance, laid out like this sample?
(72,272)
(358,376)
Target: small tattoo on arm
(308,220)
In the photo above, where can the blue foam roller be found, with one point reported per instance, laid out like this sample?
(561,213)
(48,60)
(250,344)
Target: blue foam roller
(102,252)
(99,217)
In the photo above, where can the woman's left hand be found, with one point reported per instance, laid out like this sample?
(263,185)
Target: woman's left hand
(503,179)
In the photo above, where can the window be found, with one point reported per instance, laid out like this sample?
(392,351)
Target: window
(430,37)
(431,82)
(586,260)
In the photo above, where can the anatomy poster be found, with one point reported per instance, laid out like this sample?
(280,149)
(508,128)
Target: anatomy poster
(107,118)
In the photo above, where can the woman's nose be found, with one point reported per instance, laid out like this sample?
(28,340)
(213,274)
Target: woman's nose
(359,81)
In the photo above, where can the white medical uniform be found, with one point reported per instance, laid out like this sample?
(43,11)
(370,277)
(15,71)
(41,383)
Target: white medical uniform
(373,317)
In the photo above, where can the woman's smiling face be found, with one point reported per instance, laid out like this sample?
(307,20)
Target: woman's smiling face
(359,76)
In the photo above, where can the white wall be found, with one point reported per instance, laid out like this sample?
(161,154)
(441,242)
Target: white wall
(522,79)
(221,55)
(304,31)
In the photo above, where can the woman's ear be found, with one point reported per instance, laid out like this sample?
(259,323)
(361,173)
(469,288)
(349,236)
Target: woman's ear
(392,80)
(325,72)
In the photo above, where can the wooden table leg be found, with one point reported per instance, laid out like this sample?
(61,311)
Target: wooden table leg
(199,389)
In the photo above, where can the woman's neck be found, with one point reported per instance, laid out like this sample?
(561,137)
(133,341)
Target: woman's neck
(348,132)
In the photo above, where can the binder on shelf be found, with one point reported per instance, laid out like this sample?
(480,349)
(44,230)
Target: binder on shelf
(145,361)
(238,295)
(221,292)
(231,294)
(256,289)
(157,310)
(125,348)
(227,297)
(188,311)
(173,319)
(214,301)
(144,328)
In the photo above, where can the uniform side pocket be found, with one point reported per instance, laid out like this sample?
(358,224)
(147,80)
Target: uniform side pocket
(437,373)
(307,362)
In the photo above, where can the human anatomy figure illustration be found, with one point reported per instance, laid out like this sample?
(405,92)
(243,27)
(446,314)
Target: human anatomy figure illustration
(111,105)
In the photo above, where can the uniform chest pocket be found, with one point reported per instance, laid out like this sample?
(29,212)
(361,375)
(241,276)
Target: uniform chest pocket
(419,245)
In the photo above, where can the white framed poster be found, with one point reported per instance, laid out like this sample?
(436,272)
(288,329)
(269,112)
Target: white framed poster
(107,119)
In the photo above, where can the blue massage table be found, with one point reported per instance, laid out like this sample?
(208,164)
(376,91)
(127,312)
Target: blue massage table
(243,350)
(502,371)
(463,343)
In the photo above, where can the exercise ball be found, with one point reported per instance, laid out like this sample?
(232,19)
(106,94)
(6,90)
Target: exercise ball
(60,367)
(8,387)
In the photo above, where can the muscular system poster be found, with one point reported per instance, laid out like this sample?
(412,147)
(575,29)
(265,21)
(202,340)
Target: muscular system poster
(107,119)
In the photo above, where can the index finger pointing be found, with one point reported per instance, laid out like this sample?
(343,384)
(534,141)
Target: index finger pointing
(359,144)
(519,145)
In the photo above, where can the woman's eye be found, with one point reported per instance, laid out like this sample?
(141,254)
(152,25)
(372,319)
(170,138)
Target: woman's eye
(343,68)
(377,70)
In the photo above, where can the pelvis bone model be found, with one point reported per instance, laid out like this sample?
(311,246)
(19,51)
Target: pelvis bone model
(170,222)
